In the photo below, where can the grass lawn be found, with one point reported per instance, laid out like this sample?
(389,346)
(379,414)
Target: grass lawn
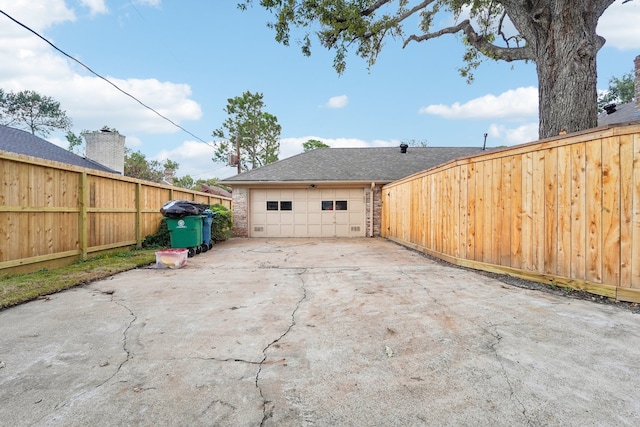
(19,288)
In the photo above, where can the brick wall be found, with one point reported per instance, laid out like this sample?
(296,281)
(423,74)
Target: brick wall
(377,211)
(240,212)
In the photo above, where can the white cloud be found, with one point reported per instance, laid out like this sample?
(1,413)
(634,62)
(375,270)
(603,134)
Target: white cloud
(292,146)
(619,25)
(108,104)
(35,14)
(95,6)
(133,142)
(31,64)
(513,136)
(154,3)
(194,158)
(337,101)
(514,104)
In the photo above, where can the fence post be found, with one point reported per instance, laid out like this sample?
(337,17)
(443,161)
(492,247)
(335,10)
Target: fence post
(138,215)
(83,201)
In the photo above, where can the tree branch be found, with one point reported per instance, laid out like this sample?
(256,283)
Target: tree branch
(479,42)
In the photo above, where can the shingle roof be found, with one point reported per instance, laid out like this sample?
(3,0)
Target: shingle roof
(21,142)
(624,113)
(353,164)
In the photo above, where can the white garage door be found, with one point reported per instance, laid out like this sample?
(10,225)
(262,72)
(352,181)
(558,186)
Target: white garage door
(307,212)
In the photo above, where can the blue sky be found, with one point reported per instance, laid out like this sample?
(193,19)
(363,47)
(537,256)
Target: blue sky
(185,59)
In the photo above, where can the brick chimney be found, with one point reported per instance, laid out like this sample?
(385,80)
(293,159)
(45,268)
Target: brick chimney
(106,147)
(169,175)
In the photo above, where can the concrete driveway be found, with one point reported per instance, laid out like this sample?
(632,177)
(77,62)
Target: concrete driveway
(316,332)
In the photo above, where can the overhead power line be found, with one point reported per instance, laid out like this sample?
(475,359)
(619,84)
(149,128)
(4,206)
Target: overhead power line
(104,78)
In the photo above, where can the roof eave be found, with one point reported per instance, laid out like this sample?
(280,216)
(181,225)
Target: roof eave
(302,183)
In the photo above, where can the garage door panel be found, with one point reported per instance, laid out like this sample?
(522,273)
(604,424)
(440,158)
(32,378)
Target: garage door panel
(328,230)
(286,194)
(258,195)
(272,219)
(327,217)
(300,230)
(314,217)
(314,230)
(355,217)
(302,216)
(342,230)
(286,230)
(272,230)
(342,217)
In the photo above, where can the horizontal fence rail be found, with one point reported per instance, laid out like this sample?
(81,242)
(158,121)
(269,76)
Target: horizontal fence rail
(565,211)
(52,213)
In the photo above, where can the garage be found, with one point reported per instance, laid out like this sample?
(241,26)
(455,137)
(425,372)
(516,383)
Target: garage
(326,192)
(307,212)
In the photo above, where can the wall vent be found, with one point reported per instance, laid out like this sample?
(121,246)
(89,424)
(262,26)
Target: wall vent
(258,228)
(355,228)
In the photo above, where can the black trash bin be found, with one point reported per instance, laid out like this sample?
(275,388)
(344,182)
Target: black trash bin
(185,221)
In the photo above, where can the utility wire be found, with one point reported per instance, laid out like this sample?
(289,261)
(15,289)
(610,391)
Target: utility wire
(104,78)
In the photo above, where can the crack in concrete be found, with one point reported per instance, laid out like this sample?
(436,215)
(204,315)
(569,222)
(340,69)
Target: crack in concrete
(124,340)
(267,407)
(490,330)
(216,359)
(62,405)
(503,370)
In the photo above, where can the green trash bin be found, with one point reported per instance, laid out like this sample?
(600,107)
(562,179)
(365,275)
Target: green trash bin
(186,232)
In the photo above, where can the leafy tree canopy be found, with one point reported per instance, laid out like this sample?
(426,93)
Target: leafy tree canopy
(621,91)
(416,142)
(75,142)
(312,144)
(559,36)
(30,111)
(184,182)
(189,183)
(254,131)
(136,165)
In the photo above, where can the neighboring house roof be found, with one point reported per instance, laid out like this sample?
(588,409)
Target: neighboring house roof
(212,189)
(21,142)
(353,164)
(623,113)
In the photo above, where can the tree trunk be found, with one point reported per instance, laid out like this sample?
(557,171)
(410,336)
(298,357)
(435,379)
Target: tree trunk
(566,45)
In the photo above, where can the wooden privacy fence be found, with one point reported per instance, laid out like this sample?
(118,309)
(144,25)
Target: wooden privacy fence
(564,211)
(52,214)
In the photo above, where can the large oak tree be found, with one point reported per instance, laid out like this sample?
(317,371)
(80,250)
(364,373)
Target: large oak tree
(559,36)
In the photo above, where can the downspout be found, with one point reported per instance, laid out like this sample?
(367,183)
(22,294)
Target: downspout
(373,185)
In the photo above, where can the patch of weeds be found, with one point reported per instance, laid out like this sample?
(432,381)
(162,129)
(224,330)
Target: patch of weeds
(567,289)
(18,288)
(161,239)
